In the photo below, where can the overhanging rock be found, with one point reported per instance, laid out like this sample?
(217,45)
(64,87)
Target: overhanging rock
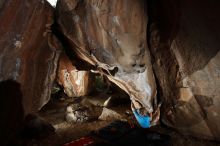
(109,35)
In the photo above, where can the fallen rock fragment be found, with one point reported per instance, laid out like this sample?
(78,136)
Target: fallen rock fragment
(108,114)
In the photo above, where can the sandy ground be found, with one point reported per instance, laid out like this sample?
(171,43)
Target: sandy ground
(54,112)
(66,132)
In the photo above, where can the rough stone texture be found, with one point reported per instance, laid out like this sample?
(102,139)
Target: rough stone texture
(186,60)
(110,35)
(25,54)
(74,82)
(184,46)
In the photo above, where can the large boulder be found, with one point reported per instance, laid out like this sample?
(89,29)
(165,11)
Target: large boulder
(111,36)
(27,61)
(75,82)
(25,54)
(185,50)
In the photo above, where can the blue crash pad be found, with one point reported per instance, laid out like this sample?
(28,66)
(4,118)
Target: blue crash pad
(144,121)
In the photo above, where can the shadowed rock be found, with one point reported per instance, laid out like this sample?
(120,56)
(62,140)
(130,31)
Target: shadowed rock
(186,60)
(25,54)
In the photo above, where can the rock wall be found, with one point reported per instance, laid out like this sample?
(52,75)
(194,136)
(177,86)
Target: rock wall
(75,82)
(106,35)
(25,54)
(184,44)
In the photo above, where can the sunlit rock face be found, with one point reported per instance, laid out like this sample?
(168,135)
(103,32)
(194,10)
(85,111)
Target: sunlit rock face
(185,50)
(52,2)
(25,55)
(74,82)
(110,34)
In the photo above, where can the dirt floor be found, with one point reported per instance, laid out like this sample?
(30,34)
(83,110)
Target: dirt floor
(54,113)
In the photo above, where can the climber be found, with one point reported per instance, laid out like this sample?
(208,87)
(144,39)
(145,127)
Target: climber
(146,121)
